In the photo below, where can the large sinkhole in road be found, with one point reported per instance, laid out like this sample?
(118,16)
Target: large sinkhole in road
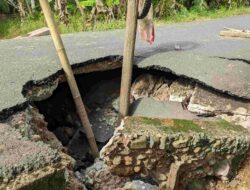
(100,93)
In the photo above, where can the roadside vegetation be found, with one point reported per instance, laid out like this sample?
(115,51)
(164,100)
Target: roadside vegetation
(18,17)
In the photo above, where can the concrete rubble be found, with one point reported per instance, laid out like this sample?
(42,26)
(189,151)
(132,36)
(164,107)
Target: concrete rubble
(31,157)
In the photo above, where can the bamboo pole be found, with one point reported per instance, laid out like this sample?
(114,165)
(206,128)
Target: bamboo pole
(69,75)
(128,56)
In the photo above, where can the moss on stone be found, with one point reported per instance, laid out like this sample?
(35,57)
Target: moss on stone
(226,125)
(187,126)
(173,125)
(217,128)
(55,181)
(152,121)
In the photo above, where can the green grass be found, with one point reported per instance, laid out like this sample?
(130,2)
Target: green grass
(196,14)
(13,27)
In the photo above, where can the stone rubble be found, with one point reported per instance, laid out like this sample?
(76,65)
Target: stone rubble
(179,148)
(147,85)
(98,177)
(194,97)
(138,185)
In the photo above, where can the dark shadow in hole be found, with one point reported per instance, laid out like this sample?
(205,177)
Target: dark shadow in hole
(202,183)
(99,91)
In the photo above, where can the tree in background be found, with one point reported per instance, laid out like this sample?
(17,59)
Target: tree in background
(108,10)
(61,6)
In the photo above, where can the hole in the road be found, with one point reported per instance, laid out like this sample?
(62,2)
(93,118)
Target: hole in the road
(100,93)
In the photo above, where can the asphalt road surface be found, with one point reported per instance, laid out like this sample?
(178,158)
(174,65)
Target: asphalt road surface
(192,50)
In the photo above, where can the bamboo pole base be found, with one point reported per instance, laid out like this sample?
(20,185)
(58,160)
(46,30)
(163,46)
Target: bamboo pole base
(69,75)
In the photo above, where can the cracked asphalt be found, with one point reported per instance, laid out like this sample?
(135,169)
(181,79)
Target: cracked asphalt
(192,50)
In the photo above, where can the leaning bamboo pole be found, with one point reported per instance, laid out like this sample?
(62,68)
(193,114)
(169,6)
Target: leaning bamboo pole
(128,56)
(69,75)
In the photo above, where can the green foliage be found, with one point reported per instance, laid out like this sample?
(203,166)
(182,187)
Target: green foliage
(87,3)
(112,2)
(4,6)
(162,8)
(91,3)
(166,11)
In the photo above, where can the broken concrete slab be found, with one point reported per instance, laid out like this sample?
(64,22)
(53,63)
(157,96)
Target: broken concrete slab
(207,102)
(19,154)
(37,90)
(198,99)
(31,156)
(35,59)
(148,107)
(27,164)
(44,31)
(198,148)
(211,71)
(204,100)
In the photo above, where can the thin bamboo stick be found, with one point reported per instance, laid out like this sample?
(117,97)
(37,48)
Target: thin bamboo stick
(69,75)
(128,56)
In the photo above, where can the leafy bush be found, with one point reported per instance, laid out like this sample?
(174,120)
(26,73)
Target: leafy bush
(4,7)
(162,8)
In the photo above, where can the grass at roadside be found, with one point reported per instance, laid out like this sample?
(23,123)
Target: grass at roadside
(13,27)
(196,14)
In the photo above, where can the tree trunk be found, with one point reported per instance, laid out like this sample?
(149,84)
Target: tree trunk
(80,8)
(63,13)
(28,6)
(21,8)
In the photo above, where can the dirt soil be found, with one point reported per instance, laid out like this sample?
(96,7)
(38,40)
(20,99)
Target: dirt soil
(241,181)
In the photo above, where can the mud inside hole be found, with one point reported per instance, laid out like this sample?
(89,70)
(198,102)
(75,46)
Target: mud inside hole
(100,93)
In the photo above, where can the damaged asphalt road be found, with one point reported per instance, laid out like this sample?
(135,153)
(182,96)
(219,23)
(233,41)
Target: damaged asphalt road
(193,50)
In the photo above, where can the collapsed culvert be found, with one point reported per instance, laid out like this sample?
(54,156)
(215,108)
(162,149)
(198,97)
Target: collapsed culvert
(154,94)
